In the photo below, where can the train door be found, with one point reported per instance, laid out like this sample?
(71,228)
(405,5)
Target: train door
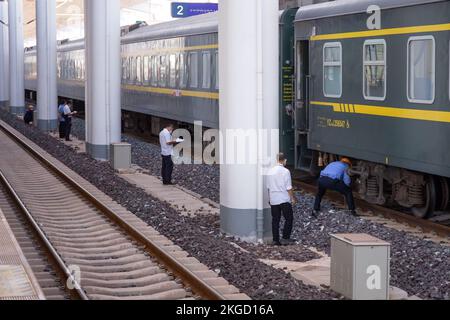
(287,85)
(304,157)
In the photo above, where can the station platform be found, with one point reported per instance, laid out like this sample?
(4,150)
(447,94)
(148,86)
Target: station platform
(17,281)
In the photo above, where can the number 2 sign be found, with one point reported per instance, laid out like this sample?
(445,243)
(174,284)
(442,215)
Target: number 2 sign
(184,9)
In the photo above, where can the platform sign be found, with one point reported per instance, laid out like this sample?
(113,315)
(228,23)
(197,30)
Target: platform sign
(186,9)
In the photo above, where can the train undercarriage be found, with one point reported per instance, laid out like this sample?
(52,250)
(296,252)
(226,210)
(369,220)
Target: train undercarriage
(424,195)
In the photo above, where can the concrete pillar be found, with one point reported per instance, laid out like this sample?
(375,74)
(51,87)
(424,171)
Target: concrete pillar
(103,80)
(16,53)
(47,91)
(4,55)
(248,106)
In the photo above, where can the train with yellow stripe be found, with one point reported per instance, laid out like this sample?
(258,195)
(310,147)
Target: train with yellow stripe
(366,79)
(372,83)
(169,73)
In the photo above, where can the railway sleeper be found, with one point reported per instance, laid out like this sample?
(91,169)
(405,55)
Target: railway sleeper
(125,283)
(136,291)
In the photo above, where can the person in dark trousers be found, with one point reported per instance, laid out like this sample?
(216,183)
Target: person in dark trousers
(167,144)
(62,121)
(335,177)
(281,195)
(29,116)
(68,114)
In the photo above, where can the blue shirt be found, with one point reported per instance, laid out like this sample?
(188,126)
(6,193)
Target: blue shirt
(337,171)
(61,113)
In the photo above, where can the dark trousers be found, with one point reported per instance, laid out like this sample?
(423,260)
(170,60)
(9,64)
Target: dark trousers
(62,130)
(326,183)
(68,128)
(284,209)
(167,169)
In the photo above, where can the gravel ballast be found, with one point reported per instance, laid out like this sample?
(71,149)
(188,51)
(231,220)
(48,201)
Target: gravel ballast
(418,266)
(199,236)
(202,179)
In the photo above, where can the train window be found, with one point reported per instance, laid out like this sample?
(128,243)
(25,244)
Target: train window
(172,71)
(155,71)
(375,70)
(133,69)
(139,69)
(421,69)
(146,69)
(183,75)
(127,69)
(163,71)
(332,70)
(206,76)
(72,70)
(193,70)
(124,75)
(216,62)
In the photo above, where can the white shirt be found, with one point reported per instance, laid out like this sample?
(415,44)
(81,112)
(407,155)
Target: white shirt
(67,110)
(279,183)
(164,137)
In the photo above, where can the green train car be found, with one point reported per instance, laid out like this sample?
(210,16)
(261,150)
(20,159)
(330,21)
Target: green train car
(372,83)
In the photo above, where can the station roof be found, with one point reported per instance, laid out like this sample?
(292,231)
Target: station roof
(70,16)
(206,23)
(348,7)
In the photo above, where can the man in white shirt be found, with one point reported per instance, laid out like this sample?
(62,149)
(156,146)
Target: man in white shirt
(281,195)
(68,114)
(167,143)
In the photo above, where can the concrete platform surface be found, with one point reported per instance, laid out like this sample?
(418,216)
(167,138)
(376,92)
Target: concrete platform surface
(17,281)
(185,203)
(318,273)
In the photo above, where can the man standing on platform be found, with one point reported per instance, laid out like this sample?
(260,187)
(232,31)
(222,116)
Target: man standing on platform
(167,144)
(68,114)
(62,123)
(282,198)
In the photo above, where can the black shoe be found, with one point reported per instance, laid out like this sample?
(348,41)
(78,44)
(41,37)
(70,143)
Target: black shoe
(277,244)
(315,213)
(355,214)
(169,184)
(289,241)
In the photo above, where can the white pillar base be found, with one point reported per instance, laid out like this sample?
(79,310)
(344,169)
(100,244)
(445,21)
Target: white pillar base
(16,109)
(98,152)
(243,223)
(47,125)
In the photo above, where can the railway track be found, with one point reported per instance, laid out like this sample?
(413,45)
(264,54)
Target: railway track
(80,234)
(43,266)
(441,230)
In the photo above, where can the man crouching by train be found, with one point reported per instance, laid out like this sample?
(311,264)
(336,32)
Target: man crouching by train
(335,177)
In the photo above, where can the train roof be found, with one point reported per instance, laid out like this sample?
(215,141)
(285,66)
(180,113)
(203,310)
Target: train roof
(201,24)
(348,7)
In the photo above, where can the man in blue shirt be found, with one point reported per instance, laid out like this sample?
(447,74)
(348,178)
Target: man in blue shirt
(335,177)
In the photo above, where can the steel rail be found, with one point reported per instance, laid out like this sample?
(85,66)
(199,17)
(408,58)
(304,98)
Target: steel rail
(42,237)
(425,225)
(190,279)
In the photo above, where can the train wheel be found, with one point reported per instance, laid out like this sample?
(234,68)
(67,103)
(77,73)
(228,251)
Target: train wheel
(430,197)
(443,194)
